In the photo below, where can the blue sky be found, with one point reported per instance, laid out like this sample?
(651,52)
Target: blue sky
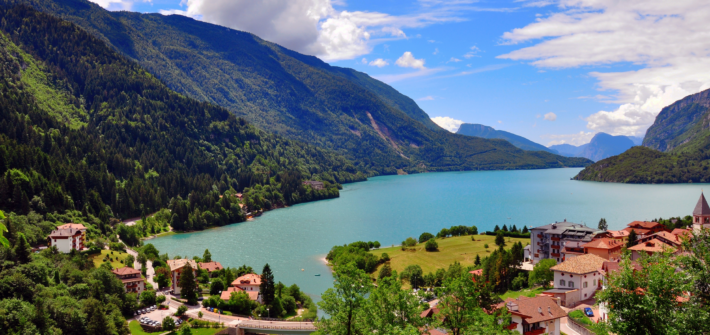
(554,71)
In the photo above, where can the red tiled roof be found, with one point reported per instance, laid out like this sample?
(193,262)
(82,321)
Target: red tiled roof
(618,233)
(175,264)
(126,270)
(681,232)
(604,243)
(535,309)
(668,236)
(639,231)
(65,232)
(72,225)
(248,279)
(580,264)
(253,295)
(429,312)
(654,245)
(644,224)
(210,266)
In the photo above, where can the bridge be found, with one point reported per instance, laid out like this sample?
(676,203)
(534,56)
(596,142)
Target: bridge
(271,327)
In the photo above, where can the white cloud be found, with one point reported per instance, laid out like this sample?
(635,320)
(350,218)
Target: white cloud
(391,78)
(315,27)
(664,38)
(448,123)
(379,62)
(454,59)
(436,51)
(473,53)
(117,4)
(550,116)
(499,121)
(408,60)
(426,98)
(573,139)
(364,61)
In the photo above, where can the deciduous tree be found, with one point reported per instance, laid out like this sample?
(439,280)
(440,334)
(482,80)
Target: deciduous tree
(344,302)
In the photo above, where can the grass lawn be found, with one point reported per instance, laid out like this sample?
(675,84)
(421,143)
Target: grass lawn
(526,292)
(580,317)
(451,249)
(117,257)
(205,331)
(136,329)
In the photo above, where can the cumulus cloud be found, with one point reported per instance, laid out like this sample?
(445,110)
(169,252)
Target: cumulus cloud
(662,37)
(379,62)
(315,27)
(454,59)
(550,116)
(408,60)
(573,139)
(473,53)
(448,123)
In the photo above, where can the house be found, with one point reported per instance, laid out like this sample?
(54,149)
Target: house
(75,226)
(67,239)
(621,235)
(253,295)
(547,241)
(429,313)
(249,283)
(651,247)
(663,236)
(645,228)
(476,273)
(316,185)
(527,253)
(701,214)
(210,266)
(537,315)
(682,233)
(576,279)
(177,266)
(607,248)
(572,249)
(131,278)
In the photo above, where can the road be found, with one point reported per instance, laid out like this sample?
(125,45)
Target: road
(149,273)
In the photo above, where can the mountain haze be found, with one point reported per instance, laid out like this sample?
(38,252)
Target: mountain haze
(601,146)
(293,95)
(480,130)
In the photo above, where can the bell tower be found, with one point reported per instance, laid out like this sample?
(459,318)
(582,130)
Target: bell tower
(701,214)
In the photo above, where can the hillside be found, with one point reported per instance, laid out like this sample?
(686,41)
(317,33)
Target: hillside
(296,96)
(601,146)
(684,124)
(84,129)
(482,131)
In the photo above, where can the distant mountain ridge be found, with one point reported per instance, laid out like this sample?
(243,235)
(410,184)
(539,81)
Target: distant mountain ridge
(682,124)
(293,95)
(601,146)
(479,130)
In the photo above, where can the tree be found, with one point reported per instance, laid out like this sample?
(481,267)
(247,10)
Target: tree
(631,239)
(3,240)
(425,237)
(414,275)
(207,256)
(344,302)
(181,310)
(142,259)
(500,239)
(377,245)
(389,309)
(541,273)
(477,262)
(602,225)
(410,242)
(505,228)
(385,271)
(186,330)
(129,260)
(461,308)
(525,229)
(217,286)
(160,299)
(22,249)
(148,298)
(268,286)
(496,229)
(97,318)
(168,324)
(188,287)
(162,277)
(385,257)
(431,245)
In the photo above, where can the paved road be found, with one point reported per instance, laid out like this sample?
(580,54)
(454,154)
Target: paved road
(564,327)
(150,272)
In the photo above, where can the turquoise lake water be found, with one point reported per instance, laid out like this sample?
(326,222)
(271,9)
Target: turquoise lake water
(391,208)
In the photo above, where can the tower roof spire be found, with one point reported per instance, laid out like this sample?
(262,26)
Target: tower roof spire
(701,208)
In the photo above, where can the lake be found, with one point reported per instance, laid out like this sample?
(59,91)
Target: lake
(391,208)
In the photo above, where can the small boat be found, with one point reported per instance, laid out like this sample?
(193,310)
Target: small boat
(318,275)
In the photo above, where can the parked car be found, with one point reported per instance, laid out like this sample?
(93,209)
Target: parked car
(588,312)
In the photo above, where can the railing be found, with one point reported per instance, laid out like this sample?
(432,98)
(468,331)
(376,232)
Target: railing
(555,246)
(556,239)
(555,254)
(578,327)
(277,325)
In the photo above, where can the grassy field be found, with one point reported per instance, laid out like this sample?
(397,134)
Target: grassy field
(136,329)
(117,257)
(526,292)
(451,249)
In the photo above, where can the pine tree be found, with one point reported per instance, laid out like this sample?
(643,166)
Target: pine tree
(525,229)
(496,229)
(267,287)
(514,229)
(477,262)
(188,287)
(22,249)
(602,225)
(207,256)
(632,239)
(505,228)
(500,239)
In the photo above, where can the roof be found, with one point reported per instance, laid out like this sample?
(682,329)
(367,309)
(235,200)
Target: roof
(668,236)
(681,232)
(701,208)
(125,271)
(613,266)
(561,290)
(64,232)
(226,294)
(248,279)
(618,233)
(175,264)
(435,331)
(72,225)
(533,310)
(654,245)
(478,272)
(210,266)
(644,224)
(429,312)
(639,231)
(580,264)
(604,243)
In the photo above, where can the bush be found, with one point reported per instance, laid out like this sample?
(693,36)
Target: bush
(485,245)
(148,298)
(410,242)
(385,271)
(519,282)
(425,237)
(160,299)
(168,324)
(385,257)
(181,310)
(431,245)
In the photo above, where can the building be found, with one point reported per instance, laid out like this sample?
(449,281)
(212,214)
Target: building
(701,214)
(537,315)
(251,284)
(210,266)
(607,269)
(621,235)
(645,228)
(316,185)
(131,278)
(177,266)
(527,253)
(547,241)
(607,248)
(650,247)
(67,239)
(572,249)
(253,295)
(576,279)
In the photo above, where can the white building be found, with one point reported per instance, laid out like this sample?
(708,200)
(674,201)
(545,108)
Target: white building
(67,237)
(131,279)
(251,284)
(177,266)
(552,240)
(577,279)
(537,315)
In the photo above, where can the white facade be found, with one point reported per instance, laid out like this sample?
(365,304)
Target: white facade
(65,244)
(586,284)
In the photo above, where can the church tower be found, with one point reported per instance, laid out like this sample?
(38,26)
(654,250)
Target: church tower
(701,214)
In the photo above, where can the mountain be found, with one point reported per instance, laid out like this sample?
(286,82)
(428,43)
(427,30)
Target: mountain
(637,140)
(676,148)
(480,130)
(685,123)
(601,146)
(297,96)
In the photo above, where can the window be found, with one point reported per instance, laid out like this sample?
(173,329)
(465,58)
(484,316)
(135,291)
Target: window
(584,284)
(562,282)
(571,283)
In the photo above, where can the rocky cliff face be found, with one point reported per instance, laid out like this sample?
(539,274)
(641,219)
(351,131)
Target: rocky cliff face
(681,124)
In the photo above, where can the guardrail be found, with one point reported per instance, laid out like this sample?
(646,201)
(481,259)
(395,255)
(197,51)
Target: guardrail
(578,327)
(273,325)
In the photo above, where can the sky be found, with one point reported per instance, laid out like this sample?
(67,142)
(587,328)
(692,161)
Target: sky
(554,71)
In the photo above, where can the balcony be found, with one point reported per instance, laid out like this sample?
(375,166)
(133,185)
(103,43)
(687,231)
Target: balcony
(555,246)
(539,235)
(537,255)
(554,254)
(556,239)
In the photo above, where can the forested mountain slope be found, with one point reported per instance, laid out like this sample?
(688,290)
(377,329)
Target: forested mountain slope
(480,130)
(297,96)
(83,128)
(685,123)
